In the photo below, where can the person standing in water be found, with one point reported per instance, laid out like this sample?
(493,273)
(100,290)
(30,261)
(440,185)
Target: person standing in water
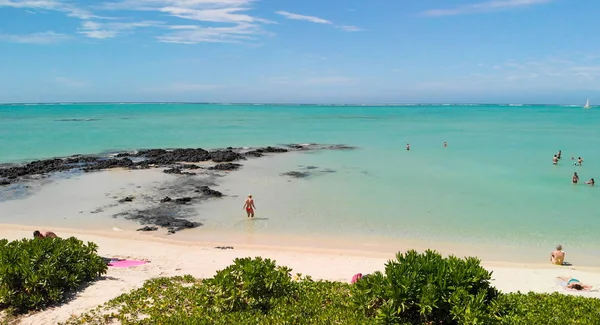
(559,155)
(579,161)
(249,206)
(555,160)
(575,178)
(407,146)
(445,144)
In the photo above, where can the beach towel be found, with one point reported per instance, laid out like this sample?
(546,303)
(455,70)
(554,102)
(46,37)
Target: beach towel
(125,263)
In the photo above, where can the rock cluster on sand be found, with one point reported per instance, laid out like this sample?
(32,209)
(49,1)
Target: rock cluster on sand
(170,213)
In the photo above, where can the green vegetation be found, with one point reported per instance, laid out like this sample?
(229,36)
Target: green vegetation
(35,273)
(427,288)
(414,289)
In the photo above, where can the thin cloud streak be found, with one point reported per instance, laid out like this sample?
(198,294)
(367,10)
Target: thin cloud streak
(312,19)
(317,20)
(35,38)
(483,7)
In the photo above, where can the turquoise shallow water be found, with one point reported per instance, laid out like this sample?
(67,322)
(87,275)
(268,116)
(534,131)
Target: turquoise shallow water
(494,183)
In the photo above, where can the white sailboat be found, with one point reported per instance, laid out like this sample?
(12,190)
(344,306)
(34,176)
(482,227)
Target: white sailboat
(587,104)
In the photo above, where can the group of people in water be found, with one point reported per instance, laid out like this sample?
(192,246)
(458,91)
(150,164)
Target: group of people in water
(578,162)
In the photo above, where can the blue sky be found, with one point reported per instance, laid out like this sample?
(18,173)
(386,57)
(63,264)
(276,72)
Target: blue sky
(352,51)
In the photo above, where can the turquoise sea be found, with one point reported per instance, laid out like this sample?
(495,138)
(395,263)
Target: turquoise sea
(494,183)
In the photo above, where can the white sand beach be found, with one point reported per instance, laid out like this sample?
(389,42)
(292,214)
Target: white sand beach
(201,259)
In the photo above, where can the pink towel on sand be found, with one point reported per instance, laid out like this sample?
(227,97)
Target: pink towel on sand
(126,263)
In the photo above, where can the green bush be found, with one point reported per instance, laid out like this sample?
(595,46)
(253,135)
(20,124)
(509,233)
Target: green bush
(35,273)
(250,284)
(547,309)
(427,288)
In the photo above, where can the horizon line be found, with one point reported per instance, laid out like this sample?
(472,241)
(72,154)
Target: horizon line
(277,103)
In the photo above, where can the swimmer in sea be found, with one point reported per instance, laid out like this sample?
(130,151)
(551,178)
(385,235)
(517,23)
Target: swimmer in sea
(559,155)
(575,178)
(591,182)
(579,161)
(407,146)
(445,144)
(249,206)
(555,160)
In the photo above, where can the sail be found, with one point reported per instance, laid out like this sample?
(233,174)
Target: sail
(587,104)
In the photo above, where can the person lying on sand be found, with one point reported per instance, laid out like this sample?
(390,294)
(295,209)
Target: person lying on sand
(45,234)
(574,284)
(558,256)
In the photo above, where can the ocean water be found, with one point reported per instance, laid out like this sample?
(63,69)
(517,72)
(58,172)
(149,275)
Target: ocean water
(494,183)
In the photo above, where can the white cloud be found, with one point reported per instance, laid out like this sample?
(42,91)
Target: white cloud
(312,19)
(54,5)
(317,20)
(349,28)
(483,7)
(109,30)
(233,34)
(35,38)
(232,18)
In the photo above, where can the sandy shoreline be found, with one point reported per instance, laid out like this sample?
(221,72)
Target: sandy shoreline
(169,257)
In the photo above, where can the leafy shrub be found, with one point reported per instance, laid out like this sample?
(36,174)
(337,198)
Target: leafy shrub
(547,309)
(427,288)
(35,273)
(250,284)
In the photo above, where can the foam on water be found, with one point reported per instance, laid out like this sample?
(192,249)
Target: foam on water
(495,182)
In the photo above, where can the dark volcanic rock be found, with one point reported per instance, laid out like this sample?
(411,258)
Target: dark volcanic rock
(261,151)
(35,168)
(176,170)
(225,156)
(4,182)
(166,199)
(183,200)
(110,163)
(208,191)
(164,157)
(189,166)
(296,174)
(126,199)
(274,150)
(148,228)
(172,223)
(340,147)
(226,166)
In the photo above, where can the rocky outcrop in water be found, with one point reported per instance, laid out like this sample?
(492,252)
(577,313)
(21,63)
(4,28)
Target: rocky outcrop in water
(296,174)
(110,163)
(152,158)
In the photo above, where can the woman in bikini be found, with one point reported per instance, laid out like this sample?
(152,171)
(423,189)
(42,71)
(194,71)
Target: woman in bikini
(574,284)
(249,206)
